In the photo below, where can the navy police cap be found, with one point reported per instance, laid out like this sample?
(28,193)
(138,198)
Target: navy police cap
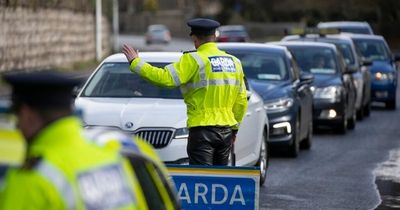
(203,26)
(42,89)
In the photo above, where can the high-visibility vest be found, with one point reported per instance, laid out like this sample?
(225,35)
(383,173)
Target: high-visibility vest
(134,146)
(211,81)
(65,171)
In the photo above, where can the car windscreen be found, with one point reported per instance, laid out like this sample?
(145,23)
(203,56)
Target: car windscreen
(263,66)
(347,53)
(115,80)
(372,49)
(316,60)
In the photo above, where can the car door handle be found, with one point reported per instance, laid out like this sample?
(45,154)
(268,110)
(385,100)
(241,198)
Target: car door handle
(258,109)
(248,114)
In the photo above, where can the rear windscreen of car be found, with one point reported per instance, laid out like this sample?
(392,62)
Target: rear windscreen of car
(263,66)
(355,30)
(233,33)
(316,60)
(116,80)
(372,49)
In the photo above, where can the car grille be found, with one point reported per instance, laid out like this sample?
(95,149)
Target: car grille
(158,138)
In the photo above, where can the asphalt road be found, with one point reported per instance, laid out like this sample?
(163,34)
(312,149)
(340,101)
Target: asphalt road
(340,171)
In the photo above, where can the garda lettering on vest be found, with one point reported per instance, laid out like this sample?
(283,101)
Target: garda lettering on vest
(204,190)
(105,188)
(222,64)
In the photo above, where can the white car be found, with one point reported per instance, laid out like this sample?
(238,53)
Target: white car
(116,98)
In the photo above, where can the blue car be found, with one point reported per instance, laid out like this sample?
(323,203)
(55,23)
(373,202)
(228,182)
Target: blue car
(286,92)
(383,69)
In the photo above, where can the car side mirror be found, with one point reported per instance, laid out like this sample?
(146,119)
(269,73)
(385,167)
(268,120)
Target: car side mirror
(365,62)
(306,78)
(351,69)
(396,57)
(75,91)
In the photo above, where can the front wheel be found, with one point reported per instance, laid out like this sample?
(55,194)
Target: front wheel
(342,126)
(367,109)
(294,148)
(360,113)
(391,104)
(263,160)
(307,142)
(352,122)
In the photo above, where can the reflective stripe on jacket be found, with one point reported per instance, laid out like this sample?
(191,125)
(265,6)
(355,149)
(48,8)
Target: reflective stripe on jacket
(211,81)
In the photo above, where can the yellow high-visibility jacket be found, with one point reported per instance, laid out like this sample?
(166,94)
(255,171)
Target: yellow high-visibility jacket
(211,81)
(65,171)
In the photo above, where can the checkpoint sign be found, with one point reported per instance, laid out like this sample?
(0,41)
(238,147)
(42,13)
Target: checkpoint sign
(201,187)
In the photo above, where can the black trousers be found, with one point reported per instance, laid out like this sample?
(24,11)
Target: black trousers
(209,145)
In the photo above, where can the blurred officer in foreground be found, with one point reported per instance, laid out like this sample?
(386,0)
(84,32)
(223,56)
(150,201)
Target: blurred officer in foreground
(62,169)
(213,89)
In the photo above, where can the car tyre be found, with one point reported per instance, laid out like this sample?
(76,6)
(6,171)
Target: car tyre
(294,148)
(391,104)
(367,109)
(342,127)
(360,113)
(307,142)
(263,160)
(351,124)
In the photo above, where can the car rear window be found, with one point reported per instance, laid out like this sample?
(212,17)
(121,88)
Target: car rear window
(116,80)
(356,30)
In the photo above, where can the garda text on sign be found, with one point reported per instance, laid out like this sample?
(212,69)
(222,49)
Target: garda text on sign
(201,187)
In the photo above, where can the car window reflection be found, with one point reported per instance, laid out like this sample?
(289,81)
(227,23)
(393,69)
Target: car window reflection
(116,80)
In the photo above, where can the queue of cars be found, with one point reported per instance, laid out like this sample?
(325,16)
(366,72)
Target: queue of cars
(299,84)
(286,92)
(362,76)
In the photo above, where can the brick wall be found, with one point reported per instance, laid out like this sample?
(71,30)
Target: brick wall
(45,38)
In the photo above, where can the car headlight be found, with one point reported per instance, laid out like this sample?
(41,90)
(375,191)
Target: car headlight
(312,88)
(181,133)
(384,76)
(281,104)
(332,93)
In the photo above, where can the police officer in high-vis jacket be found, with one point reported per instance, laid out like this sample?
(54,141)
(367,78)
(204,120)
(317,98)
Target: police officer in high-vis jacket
(212,84)
(62,170)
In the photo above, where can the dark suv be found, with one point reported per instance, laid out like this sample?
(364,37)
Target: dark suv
(334,91)
(286,92)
